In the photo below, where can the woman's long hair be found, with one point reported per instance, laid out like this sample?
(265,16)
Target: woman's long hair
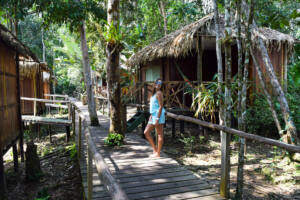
(154,88)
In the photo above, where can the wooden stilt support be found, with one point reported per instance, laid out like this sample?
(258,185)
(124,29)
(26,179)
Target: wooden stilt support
(68,134)
(3,188)
(39,130)
(143,128)
(50,133)
(173,128)
(15,156)
(181,126)
(21,142)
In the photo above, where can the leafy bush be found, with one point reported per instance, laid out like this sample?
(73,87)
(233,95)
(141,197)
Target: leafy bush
(259,118)
(114,139)
(73,151)
(188,142)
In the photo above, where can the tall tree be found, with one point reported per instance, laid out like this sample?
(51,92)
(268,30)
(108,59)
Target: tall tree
(225,137)
(290,126)
(163,13)
(54,12)
(87,77)
(242,94)
(113,48)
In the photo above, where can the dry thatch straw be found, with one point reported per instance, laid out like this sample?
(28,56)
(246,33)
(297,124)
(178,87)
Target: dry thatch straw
(10,40)
(183,41)
(28,68)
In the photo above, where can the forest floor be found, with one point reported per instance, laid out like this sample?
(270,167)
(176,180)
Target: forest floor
(61,177)
(268,174)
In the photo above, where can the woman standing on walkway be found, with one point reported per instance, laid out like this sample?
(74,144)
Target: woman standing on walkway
(157,118)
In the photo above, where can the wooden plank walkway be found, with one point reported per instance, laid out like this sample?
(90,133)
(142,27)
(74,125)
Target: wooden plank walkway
(139,175)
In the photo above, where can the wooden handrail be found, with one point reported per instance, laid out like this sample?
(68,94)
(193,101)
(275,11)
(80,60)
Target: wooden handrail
(288,147)
(113,187)
(44,100)
(56,95)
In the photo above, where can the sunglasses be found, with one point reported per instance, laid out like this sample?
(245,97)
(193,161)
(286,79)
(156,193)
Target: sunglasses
(158,82)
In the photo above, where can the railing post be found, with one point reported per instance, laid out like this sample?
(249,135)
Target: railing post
(79,138)
(34,108)
(69,110)
(173,127)
(90,172)
(73,120)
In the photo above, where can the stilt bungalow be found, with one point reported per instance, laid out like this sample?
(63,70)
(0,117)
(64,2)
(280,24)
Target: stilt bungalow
(190,54)
(12,51)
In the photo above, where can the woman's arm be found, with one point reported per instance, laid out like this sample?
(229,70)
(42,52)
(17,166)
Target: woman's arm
(159,97)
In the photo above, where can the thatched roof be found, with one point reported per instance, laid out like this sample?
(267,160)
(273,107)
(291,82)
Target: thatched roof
(28,68)
(181,42)
(10,40)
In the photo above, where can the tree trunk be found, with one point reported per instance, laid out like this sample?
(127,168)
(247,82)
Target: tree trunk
(113,70)
(87,77)
(163,13)
(43,44)
(268,97)
(291,129)
(32,163)
(242,95)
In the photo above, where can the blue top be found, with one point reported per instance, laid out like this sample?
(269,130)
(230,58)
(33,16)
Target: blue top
(154,108)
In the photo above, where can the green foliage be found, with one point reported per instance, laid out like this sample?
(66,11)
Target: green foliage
(188,142)
(43,194)
(114,139)
(73,151)
(259,118)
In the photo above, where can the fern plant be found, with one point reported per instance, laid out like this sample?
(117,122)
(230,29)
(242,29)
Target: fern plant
(114,139)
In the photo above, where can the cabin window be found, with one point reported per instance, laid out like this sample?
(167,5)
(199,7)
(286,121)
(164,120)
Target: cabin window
(153,73)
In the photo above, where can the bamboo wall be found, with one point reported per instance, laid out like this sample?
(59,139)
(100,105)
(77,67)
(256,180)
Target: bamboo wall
(31,87)
(9,119)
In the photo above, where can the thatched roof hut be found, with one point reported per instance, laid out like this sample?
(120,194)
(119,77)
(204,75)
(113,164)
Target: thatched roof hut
(190,52)
(181,42)
(11,51)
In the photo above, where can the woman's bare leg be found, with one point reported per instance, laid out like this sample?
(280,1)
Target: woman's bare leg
(160,132)
(147,132)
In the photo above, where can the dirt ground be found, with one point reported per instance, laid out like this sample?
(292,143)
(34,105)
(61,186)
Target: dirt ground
(61,179)
(268,174)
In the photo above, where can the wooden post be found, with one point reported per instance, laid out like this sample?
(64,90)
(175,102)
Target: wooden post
(145,94)
(21,142)
(181,126)
(285,68)
(90,173)
(173,127)
(183,97)
(73,120)
(34,108)
(68,133)
(3,188)
(15,156)
(50,133)
(79,137)
(69,111)
(39,130)
(199,61)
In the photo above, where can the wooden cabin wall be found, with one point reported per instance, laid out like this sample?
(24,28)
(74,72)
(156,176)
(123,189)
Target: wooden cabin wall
(27,89)
(9,121)
(278,61)
(46,89)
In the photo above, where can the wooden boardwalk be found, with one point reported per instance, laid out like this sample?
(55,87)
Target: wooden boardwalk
(140,176)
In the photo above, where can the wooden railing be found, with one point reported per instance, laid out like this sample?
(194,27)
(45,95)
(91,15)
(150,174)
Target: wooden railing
(110,183)
(224,164)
